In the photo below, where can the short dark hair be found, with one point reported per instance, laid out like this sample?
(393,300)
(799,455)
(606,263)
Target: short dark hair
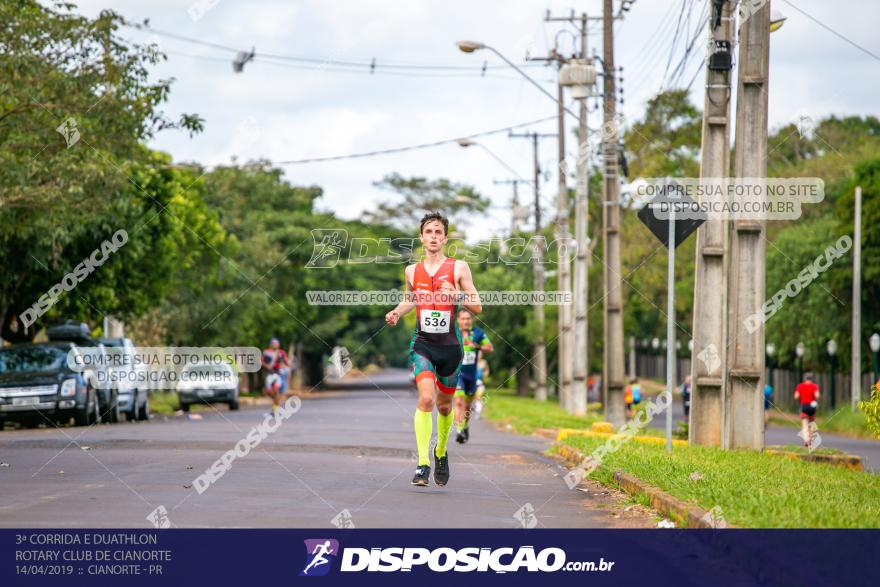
(432,216)
(808,376)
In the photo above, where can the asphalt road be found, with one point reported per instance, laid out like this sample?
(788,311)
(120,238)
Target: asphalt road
(345,458)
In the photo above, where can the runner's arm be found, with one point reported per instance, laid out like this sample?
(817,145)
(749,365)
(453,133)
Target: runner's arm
(407,305)
(466,285)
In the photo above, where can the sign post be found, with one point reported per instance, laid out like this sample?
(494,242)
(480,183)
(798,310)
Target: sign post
(670,327)
(659,216)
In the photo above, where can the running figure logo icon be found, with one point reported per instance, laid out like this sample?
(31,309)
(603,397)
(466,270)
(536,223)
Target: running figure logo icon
(318,551)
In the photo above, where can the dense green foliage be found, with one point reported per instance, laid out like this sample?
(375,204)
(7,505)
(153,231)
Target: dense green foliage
(871,409)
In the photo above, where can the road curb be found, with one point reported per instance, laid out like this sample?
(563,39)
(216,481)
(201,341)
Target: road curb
(566,432)
(852,462)
(684,514)
(548,433)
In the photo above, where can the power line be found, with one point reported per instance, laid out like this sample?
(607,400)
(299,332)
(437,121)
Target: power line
(370,64)
(834,32)
(679,70)
(675,39)
(648,55)
(696,73)
(410,147)
(338,69)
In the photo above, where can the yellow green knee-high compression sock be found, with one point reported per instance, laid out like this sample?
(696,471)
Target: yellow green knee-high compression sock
(444,426)
(424,427)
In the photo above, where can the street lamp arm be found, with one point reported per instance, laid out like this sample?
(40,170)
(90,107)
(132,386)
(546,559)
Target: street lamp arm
(501,161)
(466,142)
(531,81)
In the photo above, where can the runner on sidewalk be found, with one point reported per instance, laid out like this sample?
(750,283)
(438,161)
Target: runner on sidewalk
(807,393)
(438,283)
(474,343)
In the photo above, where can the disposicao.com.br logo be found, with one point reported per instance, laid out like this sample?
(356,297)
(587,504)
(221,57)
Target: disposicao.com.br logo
(318,553)
(441,560)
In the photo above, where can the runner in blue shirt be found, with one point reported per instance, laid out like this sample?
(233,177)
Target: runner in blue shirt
(473,342)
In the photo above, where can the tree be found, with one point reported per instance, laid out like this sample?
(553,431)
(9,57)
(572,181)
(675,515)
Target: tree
(259,285)
(420,195)
(666,142)
(171,233)
(824,300)
(76,101)
(867,176)
(75,104)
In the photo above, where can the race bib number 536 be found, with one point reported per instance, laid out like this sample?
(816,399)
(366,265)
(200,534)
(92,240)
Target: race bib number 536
(436,321)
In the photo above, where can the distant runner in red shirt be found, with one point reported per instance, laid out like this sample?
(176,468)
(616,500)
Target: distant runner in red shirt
(277,364)
(807,393)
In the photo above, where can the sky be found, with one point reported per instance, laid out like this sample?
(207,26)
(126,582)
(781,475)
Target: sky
(279,110)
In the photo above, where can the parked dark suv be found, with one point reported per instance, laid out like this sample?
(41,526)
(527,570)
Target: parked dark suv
(36,385)
(95,354)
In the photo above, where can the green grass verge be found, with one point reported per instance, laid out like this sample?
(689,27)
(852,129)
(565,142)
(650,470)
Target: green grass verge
(164,403)
(752,489)
(525,414)
(802,450)
(844,421)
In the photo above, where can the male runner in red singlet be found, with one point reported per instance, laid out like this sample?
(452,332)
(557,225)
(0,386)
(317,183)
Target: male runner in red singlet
(438,283)
(807,393)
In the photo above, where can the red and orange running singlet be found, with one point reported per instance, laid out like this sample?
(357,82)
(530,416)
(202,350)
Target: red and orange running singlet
(436,321)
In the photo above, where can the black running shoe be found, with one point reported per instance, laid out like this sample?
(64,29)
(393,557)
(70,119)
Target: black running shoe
(459,438)
(441,471)
(423,475)
(466,433)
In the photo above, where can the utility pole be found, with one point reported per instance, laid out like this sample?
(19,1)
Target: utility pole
(632,357)
(514,204)
(579,389)
(613,362)
(563,275)
(742,408)
(856,370)
(566,334)
(709,352)
(581,90)
(582,268)
(539,350)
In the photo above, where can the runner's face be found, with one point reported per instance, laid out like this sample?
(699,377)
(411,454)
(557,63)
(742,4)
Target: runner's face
(433,236)
(465,321)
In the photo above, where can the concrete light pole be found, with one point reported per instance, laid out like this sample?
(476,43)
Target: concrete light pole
(856,365)
(708,355)
(742,409)
(613,372)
